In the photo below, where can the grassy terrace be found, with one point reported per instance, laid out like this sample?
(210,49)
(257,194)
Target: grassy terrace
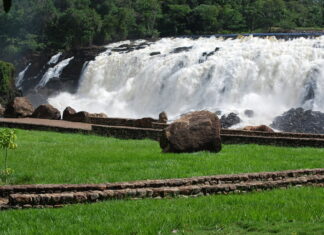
(45,157)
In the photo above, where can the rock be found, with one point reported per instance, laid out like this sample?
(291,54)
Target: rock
(249,113)
(68,113)
(196,131)
(163,117)
(218,112)
(19,107)
(155,53)
(230,120)
(181,49)
(47,111)
(300,121)
(262,128)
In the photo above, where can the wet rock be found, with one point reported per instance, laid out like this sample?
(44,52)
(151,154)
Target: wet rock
(181,49)
(230,120)
(249,113)
(155,53)
(262,128)
(300,121)
(163,117)
(47,111)
(196,131)
(19,107)
(69,114)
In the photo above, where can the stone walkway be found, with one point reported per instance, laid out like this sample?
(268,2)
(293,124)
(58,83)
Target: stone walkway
(53,196)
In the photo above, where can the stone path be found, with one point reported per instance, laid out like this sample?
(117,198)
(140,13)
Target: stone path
(52,196)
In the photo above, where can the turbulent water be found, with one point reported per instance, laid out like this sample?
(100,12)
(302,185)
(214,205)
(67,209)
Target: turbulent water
(21,76)
(54,72)
(267,76)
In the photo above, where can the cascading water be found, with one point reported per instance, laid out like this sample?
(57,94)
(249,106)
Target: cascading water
(54,59)
(21,75)
(267,76)
(53,72)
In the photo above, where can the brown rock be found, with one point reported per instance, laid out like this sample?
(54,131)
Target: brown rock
(163,117)
(262,128)
(68,113)
(71,115)
(196,131)
(19,107)
(47,111)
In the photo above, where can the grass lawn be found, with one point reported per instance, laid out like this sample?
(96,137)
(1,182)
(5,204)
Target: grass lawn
(293,211)
(47,157)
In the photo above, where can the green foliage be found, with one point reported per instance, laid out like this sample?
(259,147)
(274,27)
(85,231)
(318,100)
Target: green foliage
(7,141)
(7,88)
(34,25)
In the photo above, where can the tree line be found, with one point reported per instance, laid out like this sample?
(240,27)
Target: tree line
(35,25)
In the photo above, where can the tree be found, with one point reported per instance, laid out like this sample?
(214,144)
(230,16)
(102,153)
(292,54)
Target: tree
(203,19)
(6,5)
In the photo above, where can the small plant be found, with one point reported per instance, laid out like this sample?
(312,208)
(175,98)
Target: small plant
(7,141)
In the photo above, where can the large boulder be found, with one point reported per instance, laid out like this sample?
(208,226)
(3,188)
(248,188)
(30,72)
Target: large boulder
(47,111)
(68,113)
(230,120)
(19,107)
(196,131)
(300,121)
(262,128)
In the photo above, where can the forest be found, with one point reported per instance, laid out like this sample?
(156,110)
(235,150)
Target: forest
(37,25)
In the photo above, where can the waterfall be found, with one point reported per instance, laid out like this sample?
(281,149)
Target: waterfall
(178,75)
(53,72)
(54,59)
(21,76)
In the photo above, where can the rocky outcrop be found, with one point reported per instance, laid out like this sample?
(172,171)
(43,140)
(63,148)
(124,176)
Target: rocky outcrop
(262,128)
(196,131)
(300,121)
(19,107)
(230,120)
(46,111)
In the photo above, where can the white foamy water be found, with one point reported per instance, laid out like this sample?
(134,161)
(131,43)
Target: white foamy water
(268,76)
(53,72)
(21,76)
(54,59)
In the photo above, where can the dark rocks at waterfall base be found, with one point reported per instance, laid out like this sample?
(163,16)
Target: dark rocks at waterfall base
(196,131)
(181,49)
(300,121)
(249,113)
(46,111)
(163,117)
(19,107)
(155,53)
(69,114)
(230,120)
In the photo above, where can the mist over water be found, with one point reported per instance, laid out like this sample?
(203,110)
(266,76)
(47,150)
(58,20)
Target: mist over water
(267,76)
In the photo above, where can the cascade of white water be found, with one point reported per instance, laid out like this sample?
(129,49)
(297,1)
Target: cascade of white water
(53,72)
(267,76)
(54,59)
(21,76)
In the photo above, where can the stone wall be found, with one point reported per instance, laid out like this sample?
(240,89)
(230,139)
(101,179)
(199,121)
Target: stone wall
(123,122)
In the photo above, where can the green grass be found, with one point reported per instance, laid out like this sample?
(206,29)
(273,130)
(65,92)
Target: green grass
(293,211)
(47,157)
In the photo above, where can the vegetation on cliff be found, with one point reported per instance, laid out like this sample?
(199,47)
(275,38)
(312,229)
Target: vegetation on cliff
(7,86)
(33,25)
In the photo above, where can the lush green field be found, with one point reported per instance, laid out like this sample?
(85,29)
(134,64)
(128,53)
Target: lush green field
(293,211)
(47,157)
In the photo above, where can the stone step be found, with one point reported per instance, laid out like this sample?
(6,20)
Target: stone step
(32,200)
(216,179)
